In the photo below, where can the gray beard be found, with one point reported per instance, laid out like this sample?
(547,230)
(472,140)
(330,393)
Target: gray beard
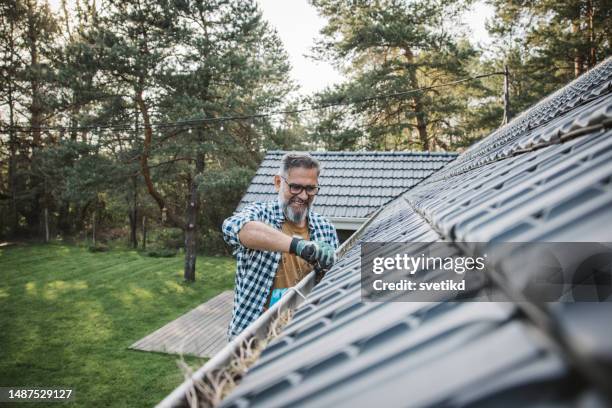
(295,216)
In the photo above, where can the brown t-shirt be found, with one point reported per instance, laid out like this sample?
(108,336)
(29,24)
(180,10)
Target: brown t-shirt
(291,268)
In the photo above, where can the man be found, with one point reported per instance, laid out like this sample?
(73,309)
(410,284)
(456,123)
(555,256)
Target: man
(276,243)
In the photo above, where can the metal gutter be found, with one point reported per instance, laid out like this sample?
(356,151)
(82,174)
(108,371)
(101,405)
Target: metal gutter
(259,328)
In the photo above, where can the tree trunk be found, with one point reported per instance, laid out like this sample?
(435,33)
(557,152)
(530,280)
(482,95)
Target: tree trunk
(175,220)
(190,253)
(144,232)
(188,225)
(64,221)
(46,225)
(417,103)
(592,46)
(133,227)
(12,167)
(134,216)
(578,59)
(421,124)
(507,113)
(35,108)
(191,227)
(81,216)
(93,228)
(36,103)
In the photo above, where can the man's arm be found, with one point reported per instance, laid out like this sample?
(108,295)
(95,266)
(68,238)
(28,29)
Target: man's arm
(247,230)
(257,235)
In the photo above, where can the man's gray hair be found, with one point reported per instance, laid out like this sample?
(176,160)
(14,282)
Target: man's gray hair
(297,159)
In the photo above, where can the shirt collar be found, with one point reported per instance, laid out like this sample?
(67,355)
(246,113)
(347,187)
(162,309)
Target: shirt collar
(277,214)
(311,225)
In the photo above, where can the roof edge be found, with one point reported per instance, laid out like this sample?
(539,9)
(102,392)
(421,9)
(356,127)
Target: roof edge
(366,152)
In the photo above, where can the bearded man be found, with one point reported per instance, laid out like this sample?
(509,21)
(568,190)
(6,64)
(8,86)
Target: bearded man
(278,242)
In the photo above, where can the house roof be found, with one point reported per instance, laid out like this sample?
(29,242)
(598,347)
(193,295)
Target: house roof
(546,176)
(353,184)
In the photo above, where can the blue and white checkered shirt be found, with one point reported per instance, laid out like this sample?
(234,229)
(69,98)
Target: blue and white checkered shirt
(256,269)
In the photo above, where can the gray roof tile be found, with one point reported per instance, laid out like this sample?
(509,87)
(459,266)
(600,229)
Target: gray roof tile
(351,178)
(341,351)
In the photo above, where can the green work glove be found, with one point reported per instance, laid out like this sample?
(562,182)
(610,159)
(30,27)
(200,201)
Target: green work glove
(317,253)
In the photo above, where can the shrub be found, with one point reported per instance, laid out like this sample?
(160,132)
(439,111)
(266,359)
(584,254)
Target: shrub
(167,238)
(99,248)
(211,243)
(161,252)
(113,234)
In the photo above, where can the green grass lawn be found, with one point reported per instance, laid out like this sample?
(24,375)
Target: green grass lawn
(67,317)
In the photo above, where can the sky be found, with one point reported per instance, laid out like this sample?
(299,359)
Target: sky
(298,24)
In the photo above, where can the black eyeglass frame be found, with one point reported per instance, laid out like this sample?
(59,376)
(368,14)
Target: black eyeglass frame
(293,186)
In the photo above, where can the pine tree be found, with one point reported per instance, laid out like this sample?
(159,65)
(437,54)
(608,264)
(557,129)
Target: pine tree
(11,18)
(27,45)
(178,61)
(386,47)
(547,43)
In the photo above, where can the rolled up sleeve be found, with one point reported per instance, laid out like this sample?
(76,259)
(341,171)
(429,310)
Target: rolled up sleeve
(233,225)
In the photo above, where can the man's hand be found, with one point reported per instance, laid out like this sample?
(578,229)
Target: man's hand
(317,253)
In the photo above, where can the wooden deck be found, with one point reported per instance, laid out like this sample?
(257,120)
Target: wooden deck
(200,332)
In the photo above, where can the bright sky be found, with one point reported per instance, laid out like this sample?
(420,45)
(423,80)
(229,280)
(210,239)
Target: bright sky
(298,24)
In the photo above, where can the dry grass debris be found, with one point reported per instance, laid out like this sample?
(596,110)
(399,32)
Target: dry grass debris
(218,384)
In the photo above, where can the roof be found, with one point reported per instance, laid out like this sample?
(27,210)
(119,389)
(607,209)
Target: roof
(546,176)
(353,184)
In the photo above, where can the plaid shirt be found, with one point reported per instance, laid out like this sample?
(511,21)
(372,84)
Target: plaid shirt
(256,269)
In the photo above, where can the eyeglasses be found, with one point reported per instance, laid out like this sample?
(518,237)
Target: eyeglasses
(296,189)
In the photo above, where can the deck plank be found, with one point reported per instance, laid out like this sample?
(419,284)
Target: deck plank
(200,332)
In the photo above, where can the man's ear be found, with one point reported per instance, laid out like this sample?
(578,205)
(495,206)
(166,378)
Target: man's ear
(277,183)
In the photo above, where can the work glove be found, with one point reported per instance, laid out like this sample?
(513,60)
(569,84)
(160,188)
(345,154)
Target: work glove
(316,253)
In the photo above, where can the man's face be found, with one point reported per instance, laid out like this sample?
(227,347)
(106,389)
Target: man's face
(295,206)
